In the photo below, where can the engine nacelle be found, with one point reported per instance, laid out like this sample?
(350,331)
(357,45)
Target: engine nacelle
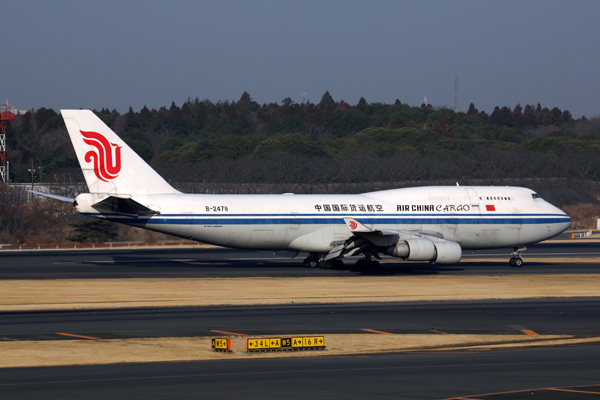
(447,252)
(420,249)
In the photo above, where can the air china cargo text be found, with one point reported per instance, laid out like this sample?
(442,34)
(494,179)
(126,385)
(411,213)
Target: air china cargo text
(432,207)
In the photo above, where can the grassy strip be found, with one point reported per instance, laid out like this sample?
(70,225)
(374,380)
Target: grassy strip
(121,293)
(88,352)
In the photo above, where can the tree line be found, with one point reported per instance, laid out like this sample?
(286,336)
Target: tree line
(199,131)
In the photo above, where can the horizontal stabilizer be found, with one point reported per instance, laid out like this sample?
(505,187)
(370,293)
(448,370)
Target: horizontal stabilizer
(53,196)
(119,205)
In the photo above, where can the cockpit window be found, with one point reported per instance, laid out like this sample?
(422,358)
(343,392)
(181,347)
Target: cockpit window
(536,196)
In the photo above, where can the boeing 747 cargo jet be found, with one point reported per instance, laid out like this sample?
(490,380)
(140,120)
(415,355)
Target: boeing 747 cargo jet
(416,224)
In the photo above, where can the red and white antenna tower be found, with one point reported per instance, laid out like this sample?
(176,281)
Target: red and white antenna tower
(7,113)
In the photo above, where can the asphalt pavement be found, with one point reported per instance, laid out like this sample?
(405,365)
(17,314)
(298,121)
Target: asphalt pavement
(543,316)
(427,375)
(553,373)
(212,262)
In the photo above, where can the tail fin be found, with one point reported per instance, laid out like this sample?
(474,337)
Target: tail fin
(109,165)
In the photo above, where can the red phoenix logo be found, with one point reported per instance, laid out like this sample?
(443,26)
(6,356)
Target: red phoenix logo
(106,156)
(353,225)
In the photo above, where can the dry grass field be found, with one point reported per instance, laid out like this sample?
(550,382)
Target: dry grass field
(87,352)
(120,293)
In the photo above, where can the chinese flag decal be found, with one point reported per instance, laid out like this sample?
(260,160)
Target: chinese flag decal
(490,207)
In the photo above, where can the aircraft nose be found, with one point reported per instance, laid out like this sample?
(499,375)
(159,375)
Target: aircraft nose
(563,226)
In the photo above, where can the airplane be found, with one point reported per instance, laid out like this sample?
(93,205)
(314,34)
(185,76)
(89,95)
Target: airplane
(431,224)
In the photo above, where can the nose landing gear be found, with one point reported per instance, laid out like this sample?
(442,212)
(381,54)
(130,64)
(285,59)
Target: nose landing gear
(517,257)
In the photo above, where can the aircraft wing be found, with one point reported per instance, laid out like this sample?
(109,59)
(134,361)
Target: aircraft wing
(411,245)
(53,196)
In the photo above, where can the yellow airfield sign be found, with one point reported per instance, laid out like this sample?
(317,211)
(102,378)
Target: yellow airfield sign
(219,344)
(291,343)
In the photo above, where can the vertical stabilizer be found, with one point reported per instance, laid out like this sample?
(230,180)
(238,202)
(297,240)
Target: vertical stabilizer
(109,165)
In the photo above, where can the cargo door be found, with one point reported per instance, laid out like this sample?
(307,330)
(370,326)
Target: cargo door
(474,200)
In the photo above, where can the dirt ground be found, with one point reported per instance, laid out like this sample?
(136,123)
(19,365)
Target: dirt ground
(87,352)
(16,295)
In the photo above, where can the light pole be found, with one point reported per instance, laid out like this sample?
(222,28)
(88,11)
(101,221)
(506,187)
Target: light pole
(32,173)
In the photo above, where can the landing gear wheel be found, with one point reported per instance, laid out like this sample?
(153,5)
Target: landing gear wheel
(337,264)
(311,262)
(516,262)
(374,265)
(325,264)
(361,263)
(517,257)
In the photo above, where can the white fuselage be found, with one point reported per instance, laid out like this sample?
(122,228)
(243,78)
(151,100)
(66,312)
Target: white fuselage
(474,217)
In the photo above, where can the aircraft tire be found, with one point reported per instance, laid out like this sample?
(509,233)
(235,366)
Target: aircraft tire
(310,262)
(337,264)
(374,265)
(325,264)
(516,262)
(361,264)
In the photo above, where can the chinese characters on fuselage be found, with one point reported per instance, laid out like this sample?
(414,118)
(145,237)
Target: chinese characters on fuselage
(399,208)
(349,207)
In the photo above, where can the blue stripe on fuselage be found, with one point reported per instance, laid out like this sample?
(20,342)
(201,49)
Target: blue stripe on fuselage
(424,219)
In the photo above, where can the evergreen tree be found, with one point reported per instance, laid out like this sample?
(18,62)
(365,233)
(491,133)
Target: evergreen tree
(175,119)
(145,118)
(506,117)
(326,100)
(472,110)
(324,112)
(245,99)
(529,116)
(131,120)
(201,115)
(518,119)
(495,116)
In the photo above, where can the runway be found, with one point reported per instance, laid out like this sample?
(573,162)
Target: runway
(427,375)
(542,316)
(216,262)
(554,372)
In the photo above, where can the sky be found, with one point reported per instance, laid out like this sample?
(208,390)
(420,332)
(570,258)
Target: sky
(116,54)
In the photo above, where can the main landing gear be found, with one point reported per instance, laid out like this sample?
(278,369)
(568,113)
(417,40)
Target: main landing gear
(517,258)
(313,261)
(367,262)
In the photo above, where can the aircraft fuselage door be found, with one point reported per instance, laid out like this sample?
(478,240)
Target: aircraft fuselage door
(474,199)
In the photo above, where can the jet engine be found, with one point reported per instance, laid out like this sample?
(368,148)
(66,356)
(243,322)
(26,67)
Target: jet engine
(421,249)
